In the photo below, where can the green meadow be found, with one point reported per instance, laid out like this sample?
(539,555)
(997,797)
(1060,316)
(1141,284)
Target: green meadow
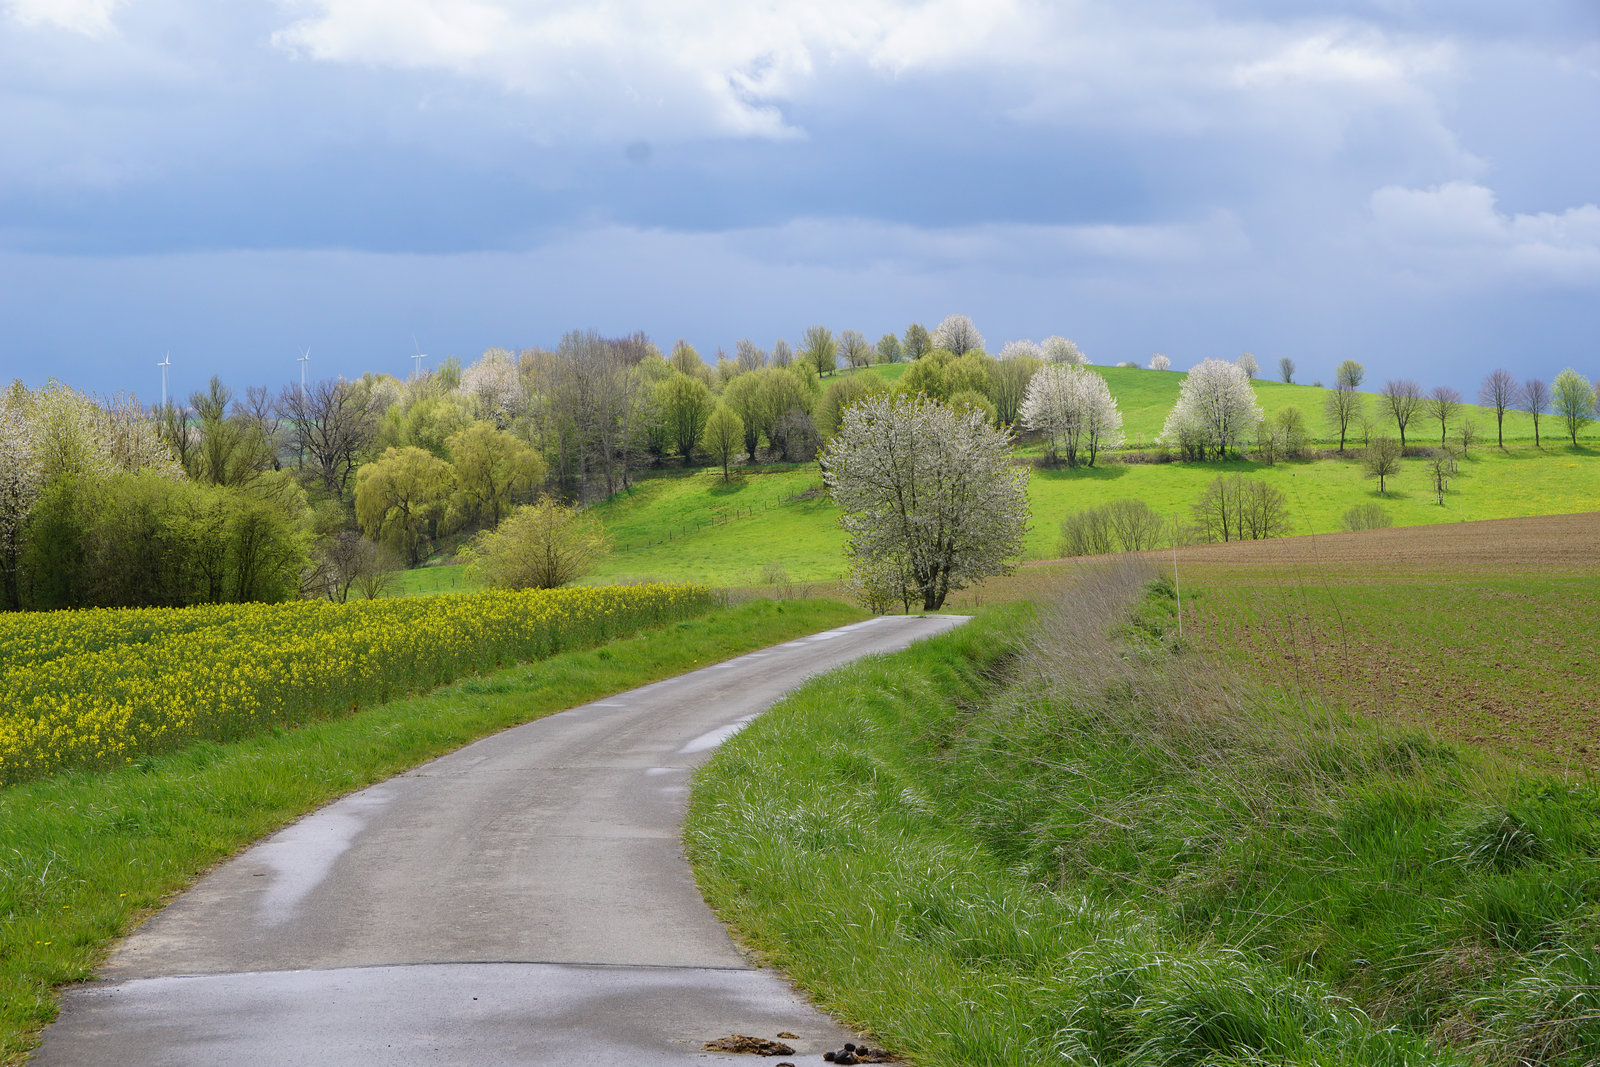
(776,525)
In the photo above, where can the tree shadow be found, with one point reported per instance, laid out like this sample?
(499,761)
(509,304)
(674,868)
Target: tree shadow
(1097,473)
(736,481)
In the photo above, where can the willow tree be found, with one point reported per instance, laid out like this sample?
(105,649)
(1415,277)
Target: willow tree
(929,497)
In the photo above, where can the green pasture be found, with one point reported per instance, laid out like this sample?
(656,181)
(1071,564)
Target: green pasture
(731,533)
(1489,484)
(1146,396)
(690,527)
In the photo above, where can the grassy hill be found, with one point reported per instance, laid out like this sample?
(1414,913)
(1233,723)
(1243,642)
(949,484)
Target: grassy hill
(1146,396)
(778,521)
(691,526)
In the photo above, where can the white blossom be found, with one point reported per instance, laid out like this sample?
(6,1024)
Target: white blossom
(1073,407)
(957,334)
(1216,410)
(1023,349)
(1160,362)
(495,387)
(929,496)
(1063,350)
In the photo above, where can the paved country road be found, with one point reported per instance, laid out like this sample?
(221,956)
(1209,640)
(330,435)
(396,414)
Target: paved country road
(523,900)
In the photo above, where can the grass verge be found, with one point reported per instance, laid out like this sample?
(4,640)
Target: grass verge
(84,856)
(1027,843)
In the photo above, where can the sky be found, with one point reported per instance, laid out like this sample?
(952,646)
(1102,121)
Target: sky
(1409,184)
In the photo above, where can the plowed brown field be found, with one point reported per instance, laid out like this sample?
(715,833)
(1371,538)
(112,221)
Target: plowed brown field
(1484,631)
(1489,632)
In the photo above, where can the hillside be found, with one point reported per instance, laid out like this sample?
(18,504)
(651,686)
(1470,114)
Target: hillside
(774,523)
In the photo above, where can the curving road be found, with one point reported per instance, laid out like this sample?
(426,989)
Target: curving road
(524,900)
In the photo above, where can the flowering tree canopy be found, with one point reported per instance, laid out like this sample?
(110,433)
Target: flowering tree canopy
(957,335)
(929,497)
(1073,407)
(1063,350)
(1216,410)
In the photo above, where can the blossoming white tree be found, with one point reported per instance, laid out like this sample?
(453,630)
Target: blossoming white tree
(495,387)
(21,479)
(1216,410)
(1247,362)
(1073,407)
(957,334)
(1160,362)
(929,497)
(1063,350)
(1023,349)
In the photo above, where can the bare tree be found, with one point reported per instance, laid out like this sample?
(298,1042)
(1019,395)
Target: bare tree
(782,354)
(1535,400)
(594,402)
(1236,508)
(1467,434)
(1343,408)
(855,348)
(1382,460)
(1286,370)
(333,423)
(957,335)
(1441,468)
(928,494)
(1572,400)
(751,355)
(1402,399)
(258,412)
(1498,391)
(1442,404)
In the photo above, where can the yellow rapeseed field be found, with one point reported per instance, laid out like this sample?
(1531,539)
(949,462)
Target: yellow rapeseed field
(103,687)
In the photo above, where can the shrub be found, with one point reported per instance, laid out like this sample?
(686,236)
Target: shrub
(539,546)
(1368,516)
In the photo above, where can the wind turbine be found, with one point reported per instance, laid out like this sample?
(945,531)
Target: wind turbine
(164,364)
(419,357)
(303,359)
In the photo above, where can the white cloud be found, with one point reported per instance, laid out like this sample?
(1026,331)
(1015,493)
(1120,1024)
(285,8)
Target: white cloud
(1457,228)
(664,68)
(92,18)
(1343,58)
(661,67)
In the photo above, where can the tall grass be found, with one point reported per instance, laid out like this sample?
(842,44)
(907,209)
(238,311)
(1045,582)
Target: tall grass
(1081,841)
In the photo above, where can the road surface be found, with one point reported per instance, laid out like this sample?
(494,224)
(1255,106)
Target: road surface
(523,900)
